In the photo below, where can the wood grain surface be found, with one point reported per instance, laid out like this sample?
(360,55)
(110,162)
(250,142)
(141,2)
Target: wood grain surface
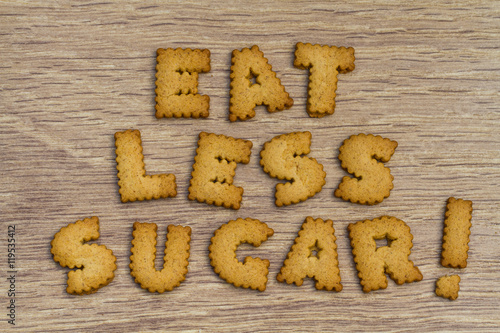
(74,73)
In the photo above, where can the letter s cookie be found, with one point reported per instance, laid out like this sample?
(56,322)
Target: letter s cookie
(281,159)
(95,263)
(372,181)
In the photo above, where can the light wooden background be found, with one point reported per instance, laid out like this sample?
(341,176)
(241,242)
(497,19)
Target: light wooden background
(72,74)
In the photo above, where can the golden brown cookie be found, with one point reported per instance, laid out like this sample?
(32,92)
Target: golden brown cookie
(249,64)
(324,63)
(456,233)
(252,273)
(372,181)
(175,261)
(372,262)
(448,286)
(96,263)
(132,179)
(314,255)
(281,158)
(177,83)
(214,168)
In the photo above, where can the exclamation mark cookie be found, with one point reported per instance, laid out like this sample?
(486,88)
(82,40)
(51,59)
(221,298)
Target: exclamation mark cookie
(454,254)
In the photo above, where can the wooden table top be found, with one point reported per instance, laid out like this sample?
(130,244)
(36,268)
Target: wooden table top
(73,73)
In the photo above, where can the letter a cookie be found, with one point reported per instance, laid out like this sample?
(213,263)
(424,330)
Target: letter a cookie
(314,254)
(267,89)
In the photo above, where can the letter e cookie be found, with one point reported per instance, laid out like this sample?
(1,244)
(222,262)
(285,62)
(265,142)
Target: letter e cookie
(177,83)
(214,168)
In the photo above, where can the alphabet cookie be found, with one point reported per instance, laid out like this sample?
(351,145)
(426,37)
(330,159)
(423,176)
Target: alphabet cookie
(95,263)
(175,261)
(281,158)
(372,262)
(314,255)
(132,179)
(456,233)
(177,83)
(324,63)
(214,168)
(249,64)
(448,287)
(360,156)
(252,273)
